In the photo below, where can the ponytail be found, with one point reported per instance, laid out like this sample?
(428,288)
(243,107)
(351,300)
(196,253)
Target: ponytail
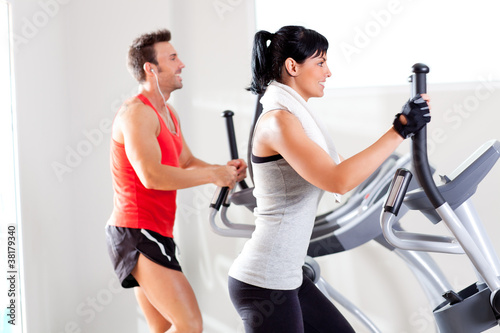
(294,42)
(261,62)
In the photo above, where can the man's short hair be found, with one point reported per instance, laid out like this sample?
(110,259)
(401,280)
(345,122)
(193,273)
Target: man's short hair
(142,50)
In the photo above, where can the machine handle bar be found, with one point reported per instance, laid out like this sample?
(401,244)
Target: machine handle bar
(231,138)
(221,194)
(419,144)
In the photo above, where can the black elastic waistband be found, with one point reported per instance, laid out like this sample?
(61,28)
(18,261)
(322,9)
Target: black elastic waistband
(259,159)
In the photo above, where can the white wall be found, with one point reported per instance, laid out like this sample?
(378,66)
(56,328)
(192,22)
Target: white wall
(71,78)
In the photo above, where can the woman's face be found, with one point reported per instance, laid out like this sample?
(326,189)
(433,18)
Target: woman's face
(311,76)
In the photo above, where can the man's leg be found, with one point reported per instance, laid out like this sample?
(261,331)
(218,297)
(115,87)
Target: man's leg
(156,322)
(169,292)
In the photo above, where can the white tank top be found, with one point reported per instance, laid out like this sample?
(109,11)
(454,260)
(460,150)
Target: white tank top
(286,209)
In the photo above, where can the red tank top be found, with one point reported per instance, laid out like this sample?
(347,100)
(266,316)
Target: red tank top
(134,205)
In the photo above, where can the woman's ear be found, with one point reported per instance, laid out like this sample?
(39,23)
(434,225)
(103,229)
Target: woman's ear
(291,67)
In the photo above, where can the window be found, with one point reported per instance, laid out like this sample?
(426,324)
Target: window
(375,42)
(10,286)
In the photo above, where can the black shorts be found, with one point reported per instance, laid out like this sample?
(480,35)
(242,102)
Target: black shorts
(125,245)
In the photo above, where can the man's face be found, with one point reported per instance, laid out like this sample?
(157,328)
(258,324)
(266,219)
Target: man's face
(169,67)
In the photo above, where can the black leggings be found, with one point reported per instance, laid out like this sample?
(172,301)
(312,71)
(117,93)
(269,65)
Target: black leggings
(304,309)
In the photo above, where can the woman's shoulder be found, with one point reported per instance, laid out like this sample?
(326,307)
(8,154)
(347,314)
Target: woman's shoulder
(279,116)
(279,119)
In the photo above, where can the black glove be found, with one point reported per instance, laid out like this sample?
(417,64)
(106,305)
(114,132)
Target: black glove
(416,112)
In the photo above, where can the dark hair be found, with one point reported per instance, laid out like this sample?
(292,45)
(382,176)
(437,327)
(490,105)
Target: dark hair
(291,41)
(142,50)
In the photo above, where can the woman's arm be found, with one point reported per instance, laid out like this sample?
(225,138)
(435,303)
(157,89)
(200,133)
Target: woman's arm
(280,132)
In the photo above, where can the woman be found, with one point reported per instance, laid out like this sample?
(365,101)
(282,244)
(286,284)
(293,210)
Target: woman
(294,161)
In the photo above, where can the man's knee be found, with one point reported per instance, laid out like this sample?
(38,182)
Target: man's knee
(197,327)
(191,326)
(159,327)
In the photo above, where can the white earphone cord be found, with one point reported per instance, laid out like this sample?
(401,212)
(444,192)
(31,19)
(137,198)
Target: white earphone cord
(169,117)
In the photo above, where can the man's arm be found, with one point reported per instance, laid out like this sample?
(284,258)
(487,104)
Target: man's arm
(138,126)
(188,161)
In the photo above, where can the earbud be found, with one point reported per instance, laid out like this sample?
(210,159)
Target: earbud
(152,70)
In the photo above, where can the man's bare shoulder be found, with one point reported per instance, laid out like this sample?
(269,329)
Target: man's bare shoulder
(134,117)
(132,107)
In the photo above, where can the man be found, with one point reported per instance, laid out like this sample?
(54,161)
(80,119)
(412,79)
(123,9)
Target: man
(150,161)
